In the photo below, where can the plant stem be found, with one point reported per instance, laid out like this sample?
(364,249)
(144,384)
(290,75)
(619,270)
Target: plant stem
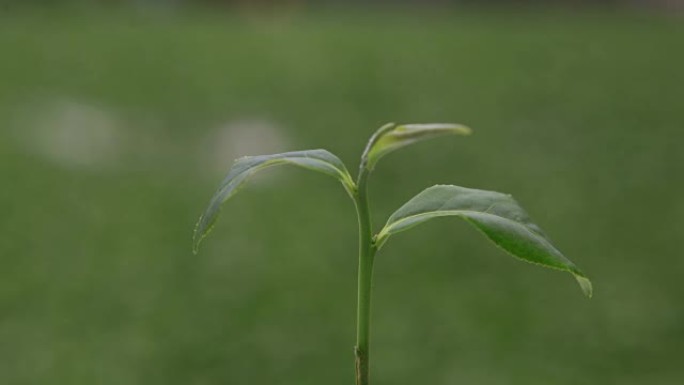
(365,276)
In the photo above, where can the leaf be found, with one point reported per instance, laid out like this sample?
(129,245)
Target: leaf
(392,137)
(317,160)
(497,215)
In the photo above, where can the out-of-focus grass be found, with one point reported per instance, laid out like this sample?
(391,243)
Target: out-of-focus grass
(577,115)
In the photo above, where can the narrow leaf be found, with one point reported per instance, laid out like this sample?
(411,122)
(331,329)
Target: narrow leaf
(317,160)
(497,215)
(392,137)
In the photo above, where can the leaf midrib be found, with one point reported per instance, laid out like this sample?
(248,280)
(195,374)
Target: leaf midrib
(385,232)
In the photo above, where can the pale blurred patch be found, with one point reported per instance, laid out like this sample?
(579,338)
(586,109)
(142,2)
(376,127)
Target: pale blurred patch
(239,138)
(72,134)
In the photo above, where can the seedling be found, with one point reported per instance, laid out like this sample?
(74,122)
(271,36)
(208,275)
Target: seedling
(498,216)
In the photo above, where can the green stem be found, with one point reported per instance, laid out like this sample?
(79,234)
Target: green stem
(365,277)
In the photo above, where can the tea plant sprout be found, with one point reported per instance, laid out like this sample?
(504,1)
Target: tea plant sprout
(498,216)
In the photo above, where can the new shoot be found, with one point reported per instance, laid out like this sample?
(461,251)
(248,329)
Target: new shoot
(498,216)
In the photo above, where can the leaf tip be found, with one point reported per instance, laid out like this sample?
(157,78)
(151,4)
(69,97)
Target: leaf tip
(196,243)
(585,285)
(198,235)
(463,130)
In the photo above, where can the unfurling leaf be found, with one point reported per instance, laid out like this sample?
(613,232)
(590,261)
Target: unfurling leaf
(392,137)
(317,160)
(497,215)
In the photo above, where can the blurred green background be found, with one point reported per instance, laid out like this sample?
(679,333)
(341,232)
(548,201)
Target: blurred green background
(117,124)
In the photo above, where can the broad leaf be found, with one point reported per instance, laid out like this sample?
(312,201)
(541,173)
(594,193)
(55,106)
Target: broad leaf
(392,137)
(317,160)
(497,215)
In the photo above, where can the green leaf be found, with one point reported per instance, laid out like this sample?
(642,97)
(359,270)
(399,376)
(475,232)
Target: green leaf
(497,215)
(391,137)
(317,160)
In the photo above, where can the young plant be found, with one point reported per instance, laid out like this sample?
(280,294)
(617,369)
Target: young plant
(498,216)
